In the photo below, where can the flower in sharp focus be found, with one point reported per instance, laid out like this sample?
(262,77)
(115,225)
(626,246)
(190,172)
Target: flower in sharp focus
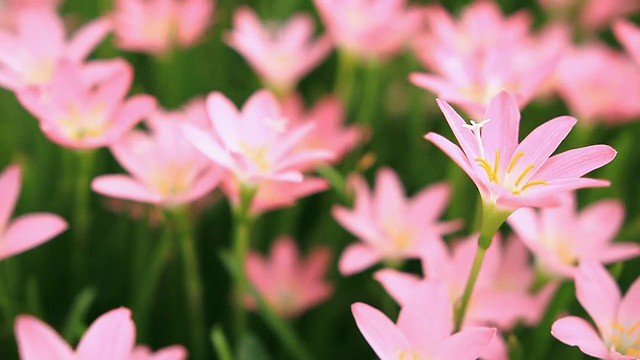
(287,282)
(27,231)
(165,168)
(560,237)
(390,226)
(82,113)
(511,175)
(423,330)
(617,318)
(30,55)
(280,54)
(155,26)
(256,143)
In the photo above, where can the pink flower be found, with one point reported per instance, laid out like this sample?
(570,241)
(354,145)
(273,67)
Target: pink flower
(423,330)
(165,168)
(510,175)
(591,14)
(280,54)
(327,117)
(27,231)
(613,99)
(154,26)
(9,12)
(483,53)
(369,28)
(30,55)
(256,143)
(175,352)
(617,319)
(390,226)
(111,336)
(560,237)
(287,282)
(82,113)
(629,36)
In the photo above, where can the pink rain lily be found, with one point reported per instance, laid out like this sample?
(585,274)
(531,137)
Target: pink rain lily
(288,283)
(10,9)
(560,237)
(595,95)
(510,175)
(629,36)
(27,231)
(280,54)
(327,117)
(390,226)
(256,143)
(29,55)
(471,60)
(423,330)
(591,14)
(369,29)
(80,113)
(165,168)
(175,352)
(617,318)
(155,26)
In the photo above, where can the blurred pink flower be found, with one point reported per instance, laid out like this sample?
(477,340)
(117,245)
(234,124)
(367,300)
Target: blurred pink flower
(595,95)
(511,175)
(423,330)
(560,237)
(327,117)
(256,143)
(628,34)
(80,113)
(390,226)
(591,14)
(29,55)
(165,168)
(280,54)
(155,26)
(10,9)
(175,352)
(27,231)
(617,318)
(370,29)
(111,336)
(483,53)
(288,283)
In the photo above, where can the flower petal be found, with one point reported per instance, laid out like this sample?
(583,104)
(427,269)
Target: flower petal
(381,333)
(124,187)
(110,337)
(598,294)
(357,257)
(465,137)
(576,162)
(576,331)
(503,130)
(29,231)
(224,118)
(467,344)
(399,285)
(87,38)
(427,318)
(37,340)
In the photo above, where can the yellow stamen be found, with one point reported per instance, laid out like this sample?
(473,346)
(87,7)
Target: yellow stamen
(633,327)
(616,340)
(524,173)
(617,327)
(533,183)
(493,177)
(495,165)
(513,161)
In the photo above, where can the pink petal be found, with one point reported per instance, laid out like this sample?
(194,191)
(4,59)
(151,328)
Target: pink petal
(356,223)
(10,184)
(124,187)
(204,142)
(382,335)
(591,221)
(525,223)
(29,231)
(110,337)
(42,32)
(389,197)
(598,293)
(628,309)
(464,136)
(629,36)
(261,105)
(576,162)
(432,201)
(37,340)
(357,257)
(397,284)
(575,331)
(467,344)
(617,252)
(87,38)
(503,131)
(132,112)
(224,117)
(112,91)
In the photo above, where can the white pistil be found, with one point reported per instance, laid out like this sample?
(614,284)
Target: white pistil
(475,129)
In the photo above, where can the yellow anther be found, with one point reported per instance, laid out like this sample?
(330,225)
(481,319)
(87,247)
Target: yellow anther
(524,173)
(616,340)
(617,327)
(633,327)
(533,183)
(493,176)
(495,165)
(517,156)
(632,352)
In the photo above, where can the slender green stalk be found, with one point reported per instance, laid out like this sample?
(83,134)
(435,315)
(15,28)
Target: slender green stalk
(82,213)
(345,77)
(242,221)
(468,289)
(193,282)
(370,94)
(220,344)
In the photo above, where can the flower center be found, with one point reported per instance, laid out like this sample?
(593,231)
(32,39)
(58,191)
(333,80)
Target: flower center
(626,340)
(40,73)
(173,178)
(78,124)
(259,156)
(408,355)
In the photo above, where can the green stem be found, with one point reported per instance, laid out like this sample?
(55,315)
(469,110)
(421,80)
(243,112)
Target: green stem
(345,77)
(370,94)
(82,215)
(192,282)
(220,344)
(242,221)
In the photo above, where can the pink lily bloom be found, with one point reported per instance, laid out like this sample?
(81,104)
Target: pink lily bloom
(390,226)
(617,319)
(561,237)
(175,352)
(612,100)
(256,143)
(370,29)
(628,34)
(510,175)
(11,8)
(288,283)
(328,118)
(165,168)
(280,54)
(27,231)
(591,14)
(483,53)
(423,330)
(80,113)
(29,55)
(155,26)
(111,336)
